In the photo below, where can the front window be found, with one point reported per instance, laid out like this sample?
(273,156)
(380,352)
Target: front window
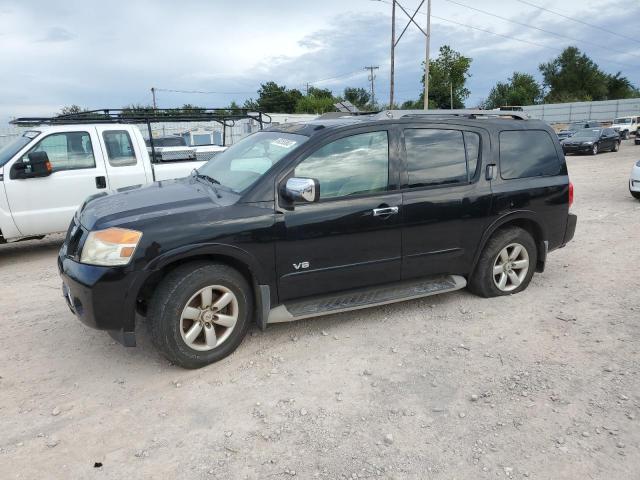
(624,121)
(66,150)
(9,150)
(240,166)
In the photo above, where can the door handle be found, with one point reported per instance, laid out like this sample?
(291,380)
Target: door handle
(385,211)
(101,182)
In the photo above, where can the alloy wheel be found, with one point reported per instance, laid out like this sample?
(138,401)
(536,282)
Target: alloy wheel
(510,267)
(209,317)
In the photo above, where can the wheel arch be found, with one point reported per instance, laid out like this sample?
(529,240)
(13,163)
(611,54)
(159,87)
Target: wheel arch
(527,221)
(239,259)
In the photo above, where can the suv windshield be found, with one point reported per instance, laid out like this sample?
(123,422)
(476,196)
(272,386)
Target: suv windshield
(588,133)
(8,151)
(246,161)
(622,120)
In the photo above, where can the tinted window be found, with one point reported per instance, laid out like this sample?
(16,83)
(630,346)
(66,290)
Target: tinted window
(435,157)
(66,151)
(119,148)
(354,165)
(528,153)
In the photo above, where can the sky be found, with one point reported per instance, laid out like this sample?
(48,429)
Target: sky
(100,54)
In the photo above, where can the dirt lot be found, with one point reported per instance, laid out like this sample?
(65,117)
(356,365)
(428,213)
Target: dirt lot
(543,384)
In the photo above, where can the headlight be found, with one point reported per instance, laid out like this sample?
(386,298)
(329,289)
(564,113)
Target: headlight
(113,246)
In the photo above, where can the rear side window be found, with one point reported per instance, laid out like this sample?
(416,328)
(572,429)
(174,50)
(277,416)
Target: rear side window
(527,153)
(438,157)
(119,148)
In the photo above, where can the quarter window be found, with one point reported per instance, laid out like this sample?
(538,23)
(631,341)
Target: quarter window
(119,148)
(66,151)
(437,157)
(527,153)
(353,165)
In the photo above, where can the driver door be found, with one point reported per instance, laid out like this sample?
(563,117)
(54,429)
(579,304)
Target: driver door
(47,204)
(344,240)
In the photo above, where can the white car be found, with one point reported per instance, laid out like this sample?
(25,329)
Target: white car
(634,180)
(46,173)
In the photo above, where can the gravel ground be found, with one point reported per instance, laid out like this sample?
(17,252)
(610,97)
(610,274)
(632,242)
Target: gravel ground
(543,384)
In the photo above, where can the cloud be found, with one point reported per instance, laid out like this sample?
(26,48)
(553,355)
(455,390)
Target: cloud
(57,34)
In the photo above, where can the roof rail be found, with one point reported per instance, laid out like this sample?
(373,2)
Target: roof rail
(469,113)
(224,116)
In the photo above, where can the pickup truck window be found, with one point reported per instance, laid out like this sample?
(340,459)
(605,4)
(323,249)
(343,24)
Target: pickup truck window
(435,157)
(529,153)
(354,165)
(242,164)
(119,148)
(67,150)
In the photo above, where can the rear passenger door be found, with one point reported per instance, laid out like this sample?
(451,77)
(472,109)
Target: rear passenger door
(122,156)
(446,198)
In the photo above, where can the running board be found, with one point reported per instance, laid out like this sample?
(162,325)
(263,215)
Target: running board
(365,297)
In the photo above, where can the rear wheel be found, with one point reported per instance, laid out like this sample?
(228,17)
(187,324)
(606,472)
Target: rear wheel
(199,313)
(506,264)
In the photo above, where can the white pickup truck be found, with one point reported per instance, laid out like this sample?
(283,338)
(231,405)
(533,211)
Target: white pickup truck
(47,172)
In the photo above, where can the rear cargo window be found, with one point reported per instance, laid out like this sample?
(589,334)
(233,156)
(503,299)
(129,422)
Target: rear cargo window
(119,148)
(527,153)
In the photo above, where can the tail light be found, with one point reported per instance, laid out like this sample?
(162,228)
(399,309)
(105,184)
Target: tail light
(570,194)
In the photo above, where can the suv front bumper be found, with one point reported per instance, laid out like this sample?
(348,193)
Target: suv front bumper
(100,298)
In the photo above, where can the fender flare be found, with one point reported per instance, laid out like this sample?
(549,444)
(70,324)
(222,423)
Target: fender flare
(526,215)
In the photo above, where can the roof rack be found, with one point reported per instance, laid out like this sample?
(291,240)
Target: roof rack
(469,113)
(224,116)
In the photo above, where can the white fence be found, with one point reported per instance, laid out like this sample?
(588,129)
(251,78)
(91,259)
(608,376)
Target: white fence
(605,110)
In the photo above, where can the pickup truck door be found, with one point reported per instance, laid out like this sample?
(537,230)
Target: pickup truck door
(446,198)
(124,159)
(345,240)
(47,204)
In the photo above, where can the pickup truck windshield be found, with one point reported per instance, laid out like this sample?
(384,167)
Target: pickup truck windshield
(245,162)
(622,120)
(8,151)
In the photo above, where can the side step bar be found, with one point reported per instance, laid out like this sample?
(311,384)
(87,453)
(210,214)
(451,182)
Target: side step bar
(365,297)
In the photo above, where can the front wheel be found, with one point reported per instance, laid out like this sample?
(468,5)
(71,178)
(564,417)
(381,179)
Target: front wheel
(200,313)
(594,149)
(635,194)
(506,264)
(616,146)
(625,135)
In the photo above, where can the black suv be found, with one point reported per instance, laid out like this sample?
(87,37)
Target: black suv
(307,219)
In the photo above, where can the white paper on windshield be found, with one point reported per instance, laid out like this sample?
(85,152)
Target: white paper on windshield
(283,142)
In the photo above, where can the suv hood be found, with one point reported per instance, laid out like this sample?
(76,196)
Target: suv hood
(159,199)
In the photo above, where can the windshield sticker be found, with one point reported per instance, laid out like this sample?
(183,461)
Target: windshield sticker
(283,142)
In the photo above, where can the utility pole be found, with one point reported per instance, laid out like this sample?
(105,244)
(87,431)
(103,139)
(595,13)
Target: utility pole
(372,77)
(307,90)
(426,62)
(153,94)
(393,47)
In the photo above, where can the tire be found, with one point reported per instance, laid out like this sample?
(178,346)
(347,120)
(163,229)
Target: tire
(616,146)
(181,293)
(594,149)
(625,135)
(635,194)
(484,283)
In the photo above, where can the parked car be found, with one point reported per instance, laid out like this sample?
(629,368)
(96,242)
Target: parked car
(592,140)
(626,126)
(573,127)
(47,172)
(309,219)
(634,180)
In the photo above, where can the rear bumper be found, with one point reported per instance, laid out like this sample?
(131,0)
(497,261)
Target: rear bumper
(99,297)
(572,221)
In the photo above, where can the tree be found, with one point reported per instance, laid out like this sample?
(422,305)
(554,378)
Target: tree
(620,87)
(72,109)
(277,99)
(314,104)
(572,76)
(320,92)
(447,78)
(358,96)
(520,89)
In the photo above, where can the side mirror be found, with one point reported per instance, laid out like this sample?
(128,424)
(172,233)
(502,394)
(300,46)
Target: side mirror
(38,166)
(305,190)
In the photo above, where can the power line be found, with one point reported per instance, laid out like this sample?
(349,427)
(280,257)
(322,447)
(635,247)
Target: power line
(201,92)
(540,29)
(579,21)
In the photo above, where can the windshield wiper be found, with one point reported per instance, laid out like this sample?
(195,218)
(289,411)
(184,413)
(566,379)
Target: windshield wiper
(209,179)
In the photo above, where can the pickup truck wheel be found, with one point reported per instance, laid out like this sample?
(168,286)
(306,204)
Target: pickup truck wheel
(506,264)
(199,313)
